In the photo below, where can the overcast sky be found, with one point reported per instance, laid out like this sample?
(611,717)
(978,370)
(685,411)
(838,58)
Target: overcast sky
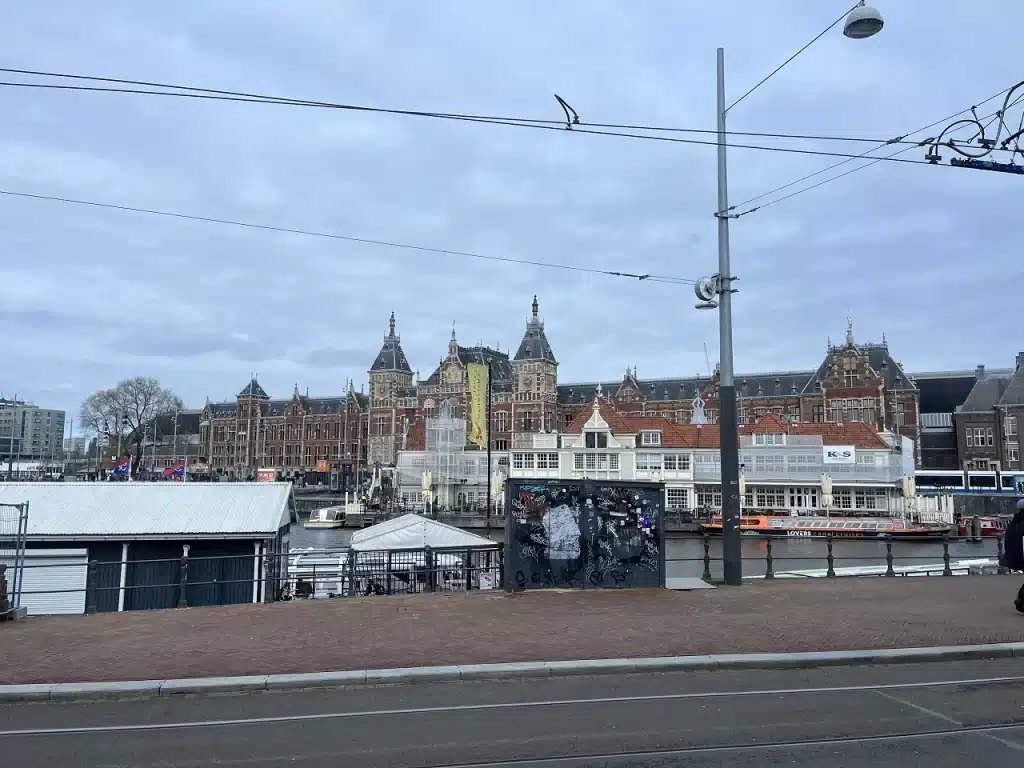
(928,256)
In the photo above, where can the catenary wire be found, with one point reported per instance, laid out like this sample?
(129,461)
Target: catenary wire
(351,239)
(549,126)
(865,155)
(227,95)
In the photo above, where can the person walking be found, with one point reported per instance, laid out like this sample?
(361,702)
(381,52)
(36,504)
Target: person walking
(1013,550)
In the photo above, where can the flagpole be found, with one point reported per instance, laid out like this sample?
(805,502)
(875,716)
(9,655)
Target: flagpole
(184,476)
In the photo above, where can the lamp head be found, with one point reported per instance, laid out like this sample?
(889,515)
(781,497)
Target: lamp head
(862,22)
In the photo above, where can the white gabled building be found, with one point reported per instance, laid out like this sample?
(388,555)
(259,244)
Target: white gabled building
(783,465)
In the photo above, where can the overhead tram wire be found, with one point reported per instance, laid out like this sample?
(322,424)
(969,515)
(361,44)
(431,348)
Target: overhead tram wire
(650,278)
(865,156)
(216,94)
(513,122)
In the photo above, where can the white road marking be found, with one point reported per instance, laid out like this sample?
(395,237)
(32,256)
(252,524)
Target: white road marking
(496,706)
(947,719)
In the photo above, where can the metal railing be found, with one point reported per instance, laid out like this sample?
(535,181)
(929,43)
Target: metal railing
(190,581)
(13,529)
(930,557)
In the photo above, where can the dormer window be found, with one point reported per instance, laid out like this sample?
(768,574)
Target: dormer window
(597,439)
(770,439)
(650,437)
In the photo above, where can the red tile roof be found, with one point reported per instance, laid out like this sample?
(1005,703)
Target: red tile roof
(859,435)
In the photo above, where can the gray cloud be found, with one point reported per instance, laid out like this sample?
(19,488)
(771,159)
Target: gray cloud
(90,295)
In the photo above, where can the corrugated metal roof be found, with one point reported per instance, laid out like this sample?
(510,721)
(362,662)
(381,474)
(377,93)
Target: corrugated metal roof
(151,509)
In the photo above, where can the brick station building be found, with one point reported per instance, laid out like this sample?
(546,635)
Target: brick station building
(855,382)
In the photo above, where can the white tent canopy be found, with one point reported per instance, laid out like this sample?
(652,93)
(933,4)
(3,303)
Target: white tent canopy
(415,532)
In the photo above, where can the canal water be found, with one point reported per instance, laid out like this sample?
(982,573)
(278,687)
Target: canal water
(685,553)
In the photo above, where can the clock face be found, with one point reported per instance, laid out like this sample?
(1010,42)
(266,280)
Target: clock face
(452,375)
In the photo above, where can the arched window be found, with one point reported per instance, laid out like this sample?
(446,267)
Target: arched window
(448,409)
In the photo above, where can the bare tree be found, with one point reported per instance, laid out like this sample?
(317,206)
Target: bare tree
(124,411)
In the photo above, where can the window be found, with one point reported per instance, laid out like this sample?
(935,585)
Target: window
(591,461)
(709,496)
(869,498)
(803,498)
(597,439)
(501,445)
(770,498)
(988,436)
(650,437)
(1010,426)
(527,421)
(818,413)
(547,461)
(970,437)
(499,422)
(517,461)
(842,498)
(769,439)
(381,425)
(979,437)
(850,378)
(648,461)
(677,461)
(577,462)
(613,462)
(677,498)
(1012,455)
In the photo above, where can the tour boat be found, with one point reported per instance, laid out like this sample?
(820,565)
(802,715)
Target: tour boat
(988,525)
(836,527)
(328,517)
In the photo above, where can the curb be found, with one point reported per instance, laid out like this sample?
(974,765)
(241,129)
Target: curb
(505,671)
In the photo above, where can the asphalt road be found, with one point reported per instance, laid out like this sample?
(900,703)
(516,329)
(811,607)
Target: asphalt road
(934,715)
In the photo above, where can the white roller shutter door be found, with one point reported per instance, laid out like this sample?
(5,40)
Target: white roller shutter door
(53,569)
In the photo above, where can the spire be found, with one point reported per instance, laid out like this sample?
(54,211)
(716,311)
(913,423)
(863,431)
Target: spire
(391,357)
(453,330)
(849,332)
(534,345)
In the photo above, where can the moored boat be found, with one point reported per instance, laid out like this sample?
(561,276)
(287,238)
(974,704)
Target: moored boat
(328,517)
(988,525)
(835,527)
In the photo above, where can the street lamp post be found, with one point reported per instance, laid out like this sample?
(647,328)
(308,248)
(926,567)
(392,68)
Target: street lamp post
(861,22)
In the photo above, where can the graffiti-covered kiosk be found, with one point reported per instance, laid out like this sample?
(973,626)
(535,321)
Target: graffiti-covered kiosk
(587,534)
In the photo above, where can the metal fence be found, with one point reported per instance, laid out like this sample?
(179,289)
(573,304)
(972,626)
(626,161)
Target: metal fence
(344,573)
(817,557)
(13,527)
(115,585)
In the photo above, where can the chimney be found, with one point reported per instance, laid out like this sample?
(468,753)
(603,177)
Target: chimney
(979,372)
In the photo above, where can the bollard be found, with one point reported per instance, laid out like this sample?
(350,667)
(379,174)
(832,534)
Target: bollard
(182,581)
(707,558)
(831,558)
(90,588)
(428,563)
(888,555)
(946,570)
(769,569)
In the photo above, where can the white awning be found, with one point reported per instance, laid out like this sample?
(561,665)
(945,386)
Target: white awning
(415,532)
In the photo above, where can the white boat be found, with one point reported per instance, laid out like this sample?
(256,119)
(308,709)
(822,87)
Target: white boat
(328,517)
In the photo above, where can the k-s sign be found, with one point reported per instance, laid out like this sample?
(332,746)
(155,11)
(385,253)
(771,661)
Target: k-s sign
(839,454)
